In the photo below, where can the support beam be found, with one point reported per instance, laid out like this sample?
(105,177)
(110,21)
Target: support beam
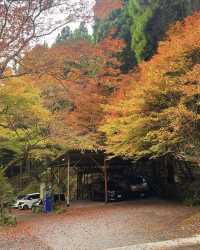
(68,180)
(106,181)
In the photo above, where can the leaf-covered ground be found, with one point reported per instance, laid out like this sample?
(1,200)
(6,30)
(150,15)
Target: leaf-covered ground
(96,226)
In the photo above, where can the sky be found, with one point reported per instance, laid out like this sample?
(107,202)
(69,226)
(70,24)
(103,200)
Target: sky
(51,38)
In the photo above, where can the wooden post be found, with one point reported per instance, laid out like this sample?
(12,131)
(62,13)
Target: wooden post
(59,195)
(20,175)
(68,179)
(77,185)
(105,181)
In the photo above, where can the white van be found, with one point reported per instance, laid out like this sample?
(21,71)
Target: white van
(27,201)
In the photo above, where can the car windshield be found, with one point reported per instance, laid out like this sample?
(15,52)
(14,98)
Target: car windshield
(31,196)
(25,197)
(20,197)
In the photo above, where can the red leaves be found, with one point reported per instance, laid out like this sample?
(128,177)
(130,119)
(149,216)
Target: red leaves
(23,22)
(103,8)
(79,75)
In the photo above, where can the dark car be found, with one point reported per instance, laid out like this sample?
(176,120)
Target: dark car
(122,189)
(139,187)
(114,193)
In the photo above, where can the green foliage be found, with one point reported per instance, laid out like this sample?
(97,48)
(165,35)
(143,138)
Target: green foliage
(23,118)
(59,209)
(6,195)
(118,24)
(80,33)
(151,19)
(33,187)
(8,220)
(191,193)
(160,115)
(64,35)
(6,192)
(37,210)
(141,13)
(142,24)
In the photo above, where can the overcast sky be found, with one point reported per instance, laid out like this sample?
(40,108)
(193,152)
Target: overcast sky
(51,38)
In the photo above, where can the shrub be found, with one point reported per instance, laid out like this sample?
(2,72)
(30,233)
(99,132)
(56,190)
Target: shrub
(37,210)
(191,193)
(8,220)
(6,195)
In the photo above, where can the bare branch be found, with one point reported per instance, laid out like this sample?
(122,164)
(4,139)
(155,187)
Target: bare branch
(23,22)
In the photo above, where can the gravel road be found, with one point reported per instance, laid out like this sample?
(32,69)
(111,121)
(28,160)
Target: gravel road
(95,226)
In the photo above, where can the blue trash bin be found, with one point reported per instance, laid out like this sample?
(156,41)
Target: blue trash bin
(48,204)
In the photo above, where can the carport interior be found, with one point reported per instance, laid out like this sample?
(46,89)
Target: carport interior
(94,173)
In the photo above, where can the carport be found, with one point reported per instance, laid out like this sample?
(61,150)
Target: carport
(87,165)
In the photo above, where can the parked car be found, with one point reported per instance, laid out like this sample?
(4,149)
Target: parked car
(139,187)
(119,190)
(27,201)
(38,204)
(115,193)
(16,201)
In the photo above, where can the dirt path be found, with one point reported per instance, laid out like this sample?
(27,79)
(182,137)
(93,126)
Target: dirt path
(98,226)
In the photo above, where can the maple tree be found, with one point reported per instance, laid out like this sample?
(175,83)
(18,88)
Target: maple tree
(24,121)
(24,22)
(161,114)
(83,75)
(73,95)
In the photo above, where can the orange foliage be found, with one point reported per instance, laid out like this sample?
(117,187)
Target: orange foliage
(161,113)
(81,73)
(103,8)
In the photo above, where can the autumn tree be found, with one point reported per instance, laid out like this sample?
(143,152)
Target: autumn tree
(161,114)
(24,22)
(24,122)
(83,75)
(150,21)
(102,9)
(141,24)
(6,195)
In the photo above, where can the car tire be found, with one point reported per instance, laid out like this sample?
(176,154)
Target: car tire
(25,207)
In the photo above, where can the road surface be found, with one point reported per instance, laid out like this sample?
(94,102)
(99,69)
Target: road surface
(96,226)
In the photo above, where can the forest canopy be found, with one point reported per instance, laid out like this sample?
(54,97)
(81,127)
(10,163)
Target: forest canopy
(130,89)
(161,113)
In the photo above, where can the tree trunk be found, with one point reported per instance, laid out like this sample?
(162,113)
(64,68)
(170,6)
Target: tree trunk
(170,171)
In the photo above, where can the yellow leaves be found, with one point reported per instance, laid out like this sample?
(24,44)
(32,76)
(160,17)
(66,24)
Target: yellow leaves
(22,101)
(162,113)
